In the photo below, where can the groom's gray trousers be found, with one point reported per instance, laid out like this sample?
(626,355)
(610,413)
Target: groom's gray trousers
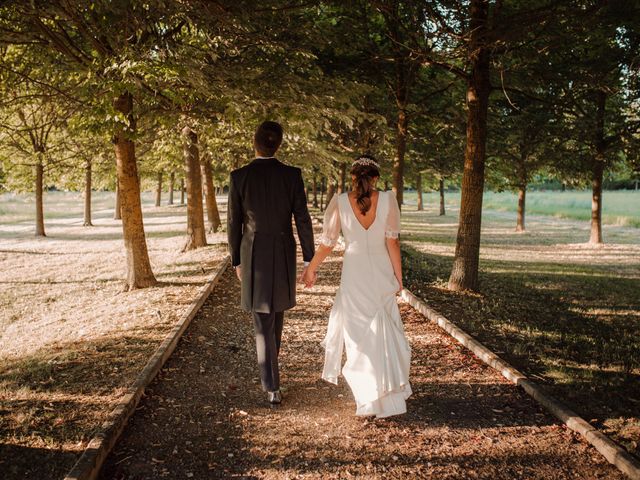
(268,335)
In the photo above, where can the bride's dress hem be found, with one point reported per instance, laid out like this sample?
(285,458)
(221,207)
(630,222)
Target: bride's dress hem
(333,380)
(387,405)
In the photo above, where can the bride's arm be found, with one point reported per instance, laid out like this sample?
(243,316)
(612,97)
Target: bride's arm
(309,276)
(392,230)
(393,247)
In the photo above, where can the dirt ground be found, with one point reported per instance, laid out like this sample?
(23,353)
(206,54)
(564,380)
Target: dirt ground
(205,415)
(70,339)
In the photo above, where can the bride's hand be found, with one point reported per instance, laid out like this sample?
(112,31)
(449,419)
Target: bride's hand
(309,277)
(301,278)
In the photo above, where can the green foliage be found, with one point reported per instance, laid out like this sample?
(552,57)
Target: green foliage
(326,71)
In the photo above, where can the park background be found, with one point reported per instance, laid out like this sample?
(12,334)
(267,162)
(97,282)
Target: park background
(509,132)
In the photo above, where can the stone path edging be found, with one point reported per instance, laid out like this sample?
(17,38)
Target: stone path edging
(88,465)
(613,452)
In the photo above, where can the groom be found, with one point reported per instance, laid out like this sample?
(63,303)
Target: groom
(263,196)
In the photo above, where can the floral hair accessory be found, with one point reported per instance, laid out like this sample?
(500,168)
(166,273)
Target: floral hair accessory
(364,160)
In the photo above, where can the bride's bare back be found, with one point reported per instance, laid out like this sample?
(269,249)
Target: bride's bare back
(368,218)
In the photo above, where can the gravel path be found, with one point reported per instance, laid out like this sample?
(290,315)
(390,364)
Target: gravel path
(205,415)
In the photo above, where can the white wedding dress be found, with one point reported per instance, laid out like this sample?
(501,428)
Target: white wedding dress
(365,318)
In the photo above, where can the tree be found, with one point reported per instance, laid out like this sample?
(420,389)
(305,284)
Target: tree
(108,49)
(88,153)
(598,87)
(315,187)
(213,215)
(520,146)
(172,181)
(371,43)
(139,273)
(469,40)
(464,273)
(30,123)
(438,134)
(196,235)
(399,17)
(159,189)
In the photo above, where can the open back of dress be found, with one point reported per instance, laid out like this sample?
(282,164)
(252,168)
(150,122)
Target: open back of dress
(365,319)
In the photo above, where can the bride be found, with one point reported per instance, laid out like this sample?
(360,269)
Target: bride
(365,318)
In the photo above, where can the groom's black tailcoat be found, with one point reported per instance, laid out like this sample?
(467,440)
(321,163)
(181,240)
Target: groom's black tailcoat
(262,198)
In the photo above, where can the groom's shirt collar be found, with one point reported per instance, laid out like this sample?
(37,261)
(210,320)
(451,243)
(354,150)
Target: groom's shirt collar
(264,158)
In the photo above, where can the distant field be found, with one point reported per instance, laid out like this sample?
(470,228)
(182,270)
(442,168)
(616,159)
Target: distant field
(620,207)
(16,208)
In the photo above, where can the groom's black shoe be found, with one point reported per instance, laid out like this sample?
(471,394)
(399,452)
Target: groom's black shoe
(274,398)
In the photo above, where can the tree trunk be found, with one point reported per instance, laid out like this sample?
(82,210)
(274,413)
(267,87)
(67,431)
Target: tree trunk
(117,210)
(213,215)
(522,189)
(182,191)
(39,198)
(172,179)
(343,177)
(596,201)
(598,171)
(401,146)
(196,236)
(331,190)
(419,190)
(441,188)
(403,72)
(159,189)
(464,274)
(139,273)
(522,195)
(386,185)
(87,194)
(315,191)
(322,187)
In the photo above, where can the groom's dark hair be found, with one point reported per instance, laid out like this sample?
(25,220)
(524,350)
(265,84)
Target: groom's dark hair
(268,138)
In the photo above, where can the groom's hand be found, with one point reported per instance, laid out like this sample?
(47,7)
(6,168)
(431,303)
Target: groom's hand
(308,277)
(301,278)
(238,270)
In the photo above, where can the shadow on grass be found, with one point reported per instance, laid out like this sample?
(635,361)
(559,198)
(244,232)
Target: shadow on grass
(61,282)
(20,461)
(576,332)
(35,252)
(114,236)
(59,396)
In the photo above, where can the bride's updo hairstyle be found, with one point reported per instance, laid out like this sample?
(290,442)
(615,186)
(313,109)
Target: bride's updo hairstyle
(364,170)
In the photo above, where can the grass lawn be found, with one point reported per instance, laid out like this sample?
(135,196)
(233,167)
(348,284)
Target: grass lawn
(620,207)
(562,311)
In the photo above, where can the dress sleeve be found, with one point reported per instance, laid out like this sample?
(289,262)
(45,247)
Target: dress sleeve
(331,224)
(392,227)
